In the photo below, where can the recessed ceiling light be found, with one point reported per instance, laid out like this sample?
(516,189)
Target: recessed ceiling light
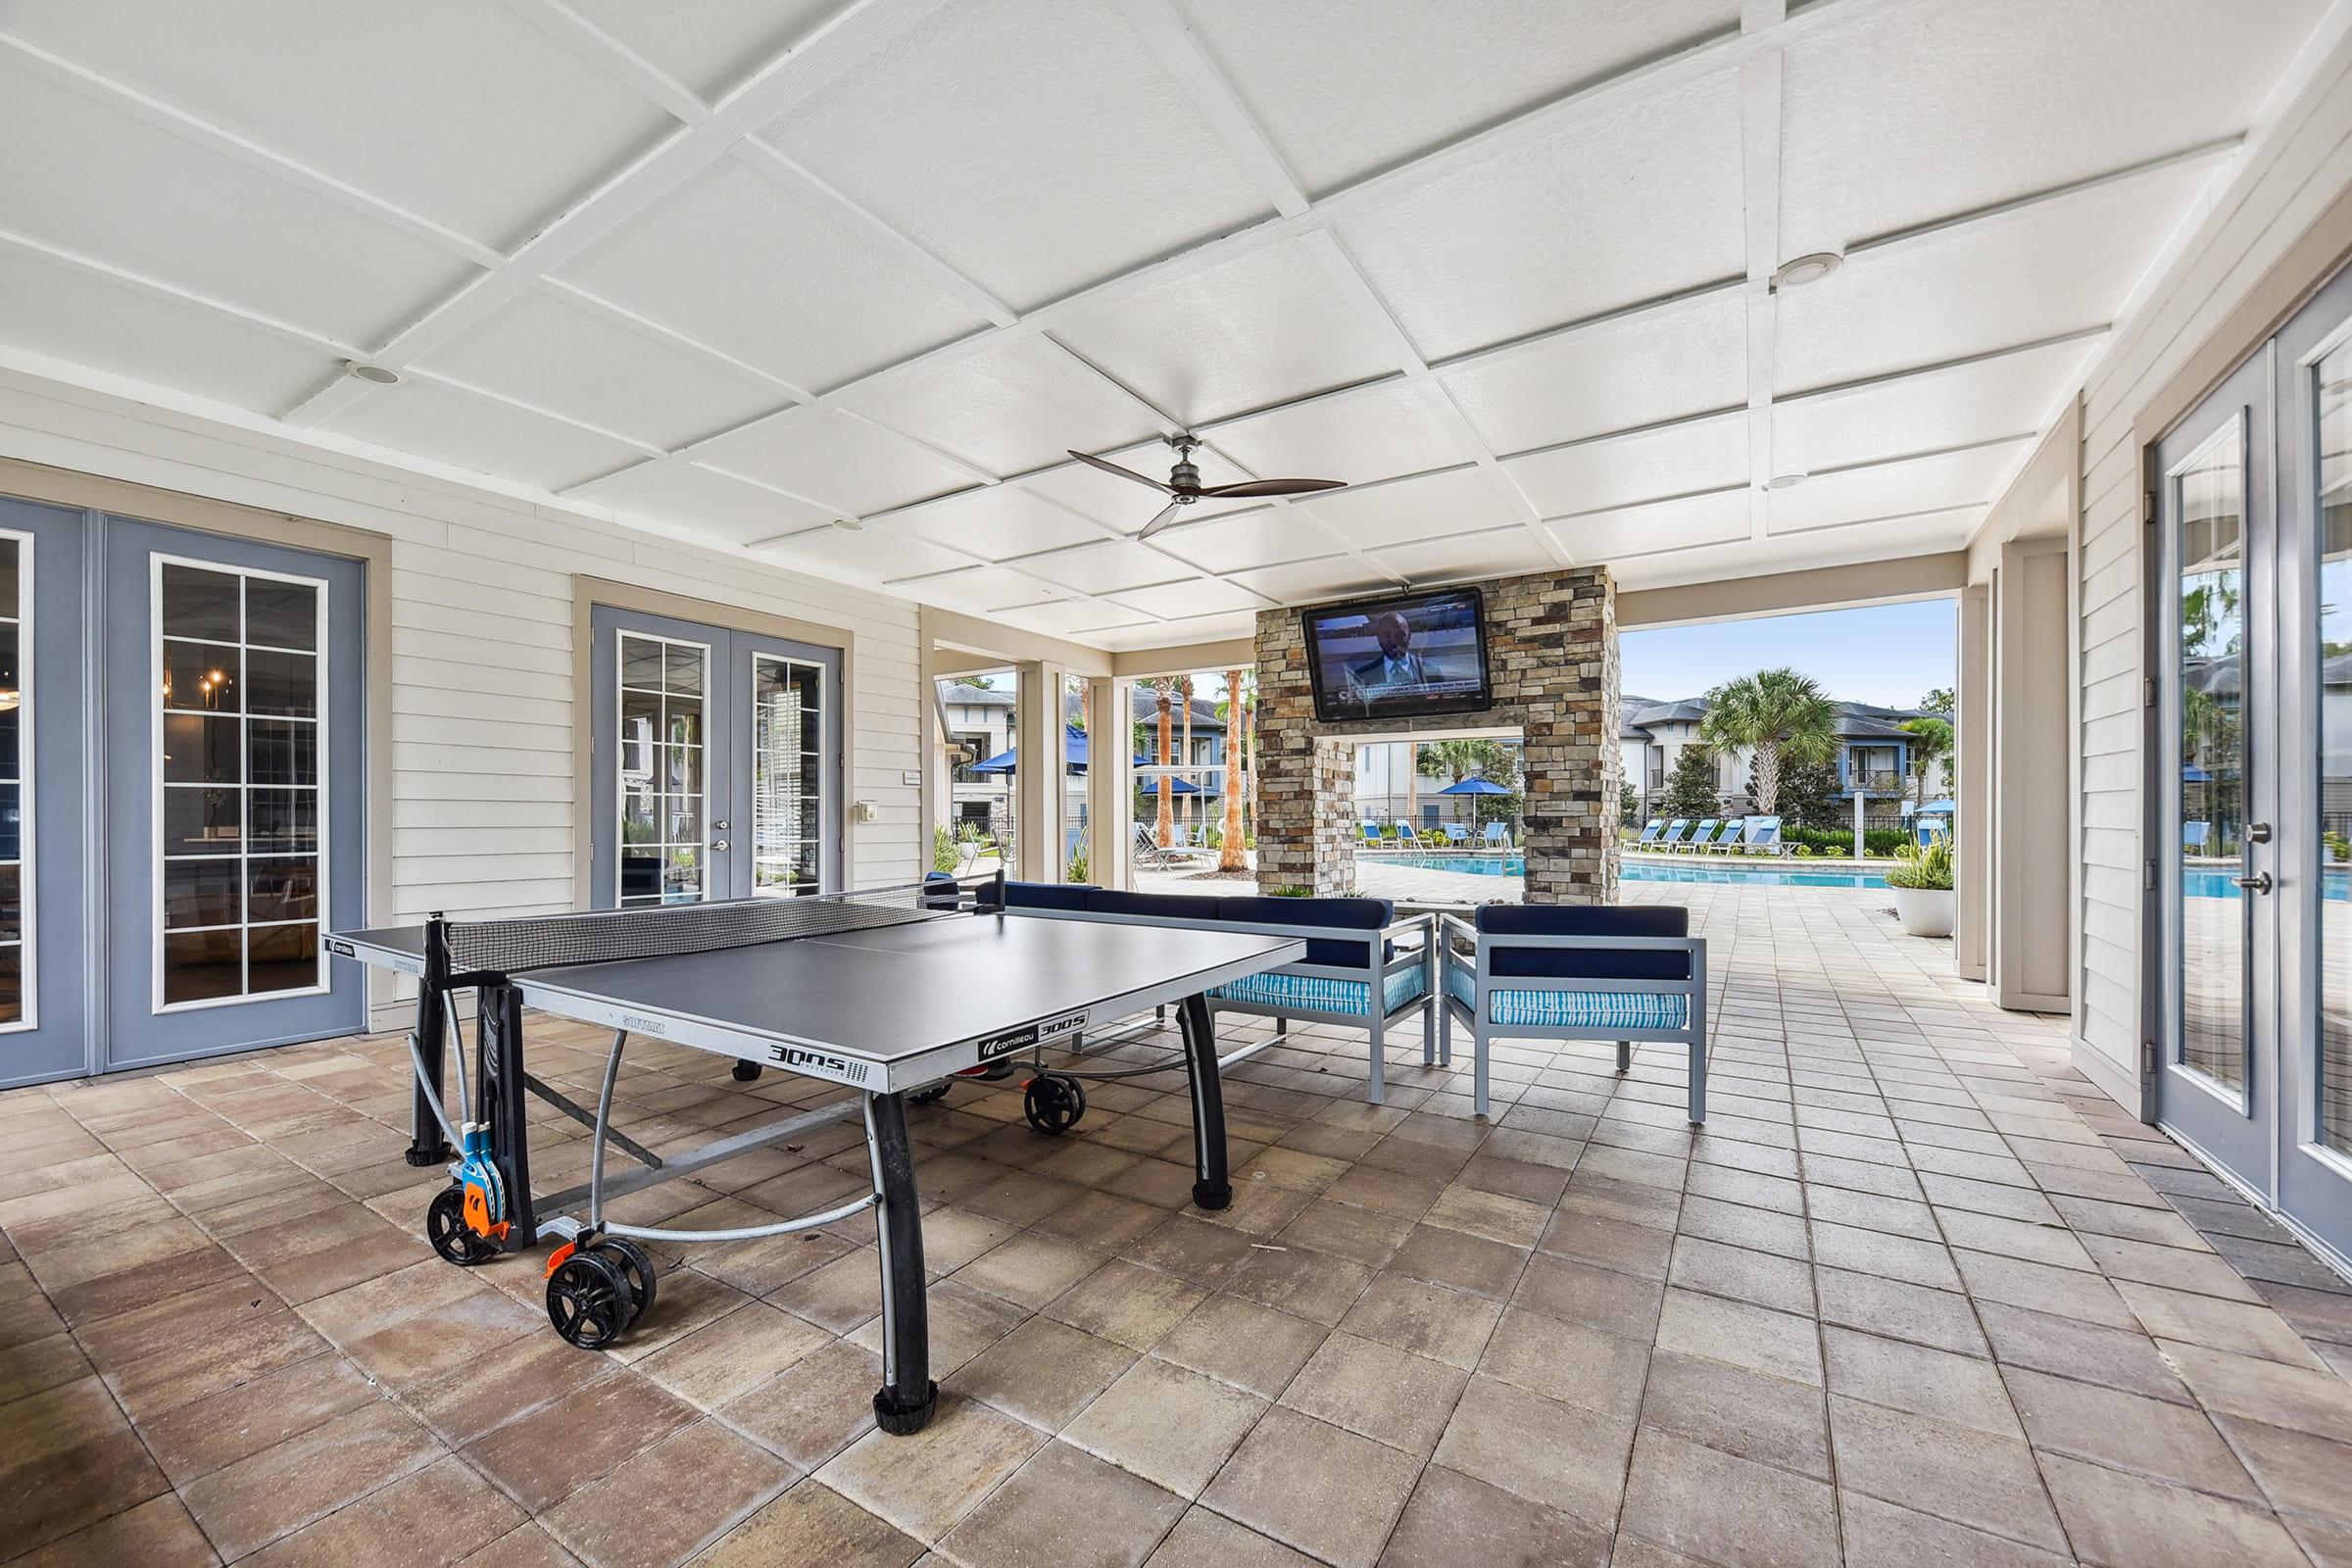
(378,374)
(1784,481)
(1805,270)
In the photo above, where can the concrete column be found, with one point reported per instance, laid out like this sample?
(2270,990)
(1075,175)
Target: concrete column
(2029,953)
(1042,739)
(1971,779)
(1110,785)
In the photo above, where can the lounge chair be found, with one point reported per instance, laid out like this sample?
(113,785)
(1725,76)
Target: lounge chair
(1497,837)
(1455,833)
(1927,829)
(2194,836)
(1649,833)
(1728,842)
(1764,836)
(1550,971)
(1407,837)
(1371,834)
(1673,835)
(1705,833)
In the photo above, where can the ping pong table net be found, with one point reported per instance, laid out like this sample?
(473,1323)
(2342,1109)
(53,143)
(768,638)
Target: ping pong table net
(512,945)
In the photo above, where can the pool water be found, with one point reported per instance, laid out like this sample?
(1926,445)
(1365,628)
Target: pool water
(1748,876)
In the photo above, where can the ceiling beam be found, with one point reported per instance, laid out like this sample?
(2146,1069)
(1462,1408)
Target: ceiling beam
(617,59)
(1184,57)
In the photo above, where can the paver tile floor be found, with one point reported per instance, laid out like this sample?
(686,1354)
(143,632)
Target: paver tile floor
(1918,1294)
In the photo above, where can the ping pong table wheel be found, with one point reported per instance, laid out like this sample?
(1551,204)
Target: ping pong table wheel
(747,1072)
(929,1093)
(903,1419)
(1054,1102)
(451,1238)
(588,1300)
(636,1271)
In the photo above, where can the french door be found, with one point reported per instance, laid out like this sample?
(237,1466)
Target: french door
(717,762)
(2253,777)
(182,792)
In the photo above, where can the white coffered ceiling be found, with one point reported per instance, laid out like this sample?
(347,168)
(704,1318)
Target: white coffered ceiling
(743,269)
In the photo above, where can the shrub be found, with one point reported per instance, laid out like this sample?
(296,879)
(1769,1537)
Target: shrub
(943,850)
(1878,841)
(1931,867)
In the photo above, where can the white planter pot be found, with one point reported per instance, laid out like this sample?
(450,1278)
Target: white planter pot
(1925,912)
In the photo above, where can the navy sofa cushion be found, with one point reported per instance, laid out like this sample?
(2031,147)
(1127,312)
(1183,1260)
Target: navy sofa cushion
(1586,921)
(1070,895)
(1345,914)
(1164,905)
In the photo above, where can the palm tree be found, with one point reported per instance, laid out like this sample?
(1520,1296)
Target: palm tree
(1931,743)
(1229,853)
(1184,689)
(1776,713)
(1164,690)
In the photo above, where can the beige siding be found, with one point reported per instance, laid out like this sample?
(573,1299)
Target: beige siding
(2292,169)
(483,712)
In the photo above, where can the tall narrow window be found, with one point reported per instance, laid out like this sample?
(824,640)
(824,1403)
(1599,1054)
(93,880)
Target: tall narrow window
(664,686)
(2208,609)
(787,776)
(16,783)
(241,741)
(2332,844)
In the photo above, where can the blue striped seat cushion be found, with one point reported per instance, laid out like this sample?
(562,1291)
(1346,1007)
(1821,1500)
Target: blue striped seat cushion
(1594,1013)
(1318,992)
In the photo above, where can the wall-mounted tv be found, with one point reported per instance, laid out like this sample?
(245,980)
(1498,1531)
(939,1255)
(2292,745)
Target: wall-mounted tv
(1404,658)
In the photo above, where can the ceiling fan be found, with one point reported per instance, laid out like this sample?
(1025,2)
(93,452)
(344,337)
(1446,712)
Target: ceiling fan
(1183,486)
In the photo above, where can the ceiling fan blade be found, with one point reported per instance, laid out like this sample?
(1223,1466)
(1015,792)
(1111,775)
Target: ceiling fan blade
(1125,474)
(1275,487)
(1168,514)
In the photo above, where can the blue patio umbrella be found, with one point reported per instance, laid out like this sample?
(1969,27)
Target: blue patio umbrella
(1475,785)
(1004,761)
(1932,808)
(1176,786)
(2194,774)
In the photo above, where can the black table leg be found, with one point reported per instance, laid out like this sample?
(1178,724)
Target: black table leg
(426,1145)
(498,1027)
(1211,1188)
(904,1401)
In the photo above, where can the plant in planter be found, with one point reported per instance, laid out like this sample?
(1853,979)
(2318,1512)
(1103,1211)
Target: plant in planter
(1922,881)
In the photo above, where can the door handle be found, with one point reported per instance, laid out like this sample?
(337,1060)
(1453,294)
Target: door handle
(2255,832)
(2258,883)
(720,844)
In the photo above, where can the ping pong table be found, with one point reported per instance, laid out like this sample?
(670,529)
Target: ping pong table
(883,992)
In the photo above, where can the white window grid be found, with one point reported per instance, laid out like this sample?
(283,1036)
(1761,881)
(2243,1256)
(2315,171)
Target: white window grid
(23,946)
(787,824)
(640,763)
(319,721)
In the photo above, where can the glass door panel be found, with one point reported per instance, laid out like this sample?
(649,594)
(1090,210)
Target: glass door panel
(788,774)
(2329,848)
(2208,586)
(661,782)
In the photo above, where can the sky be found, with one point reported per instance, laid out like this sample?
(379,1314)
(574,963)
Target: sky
(1888,655)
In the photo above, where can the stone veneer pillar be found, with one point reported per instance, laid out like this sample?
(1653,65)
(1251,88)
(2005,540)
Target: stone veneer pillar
(1551,651)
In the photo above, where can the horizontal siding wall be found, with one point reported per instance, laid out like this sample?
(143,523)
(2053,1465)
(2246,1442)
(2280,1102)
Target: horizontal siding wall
(484,713)
(2293,173)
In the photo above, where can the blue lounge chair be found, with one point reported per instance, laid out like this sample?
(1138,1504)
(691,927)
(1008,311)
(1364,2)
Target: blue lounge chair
(1764,836)
(1455,833)
(1728,842)
(1407,837)
(1554,971)
(1497,836)
(1371,834)
(1702,834)
(1929,829)
(1649,833)
(2194,836)
(1673,834)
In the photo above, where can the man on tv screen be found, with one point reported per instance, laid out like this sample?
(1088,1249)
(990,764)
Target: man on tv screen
(1398,668)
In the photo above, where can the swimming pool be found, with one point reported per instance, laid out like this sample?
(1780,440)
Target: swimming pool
(1749,875)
